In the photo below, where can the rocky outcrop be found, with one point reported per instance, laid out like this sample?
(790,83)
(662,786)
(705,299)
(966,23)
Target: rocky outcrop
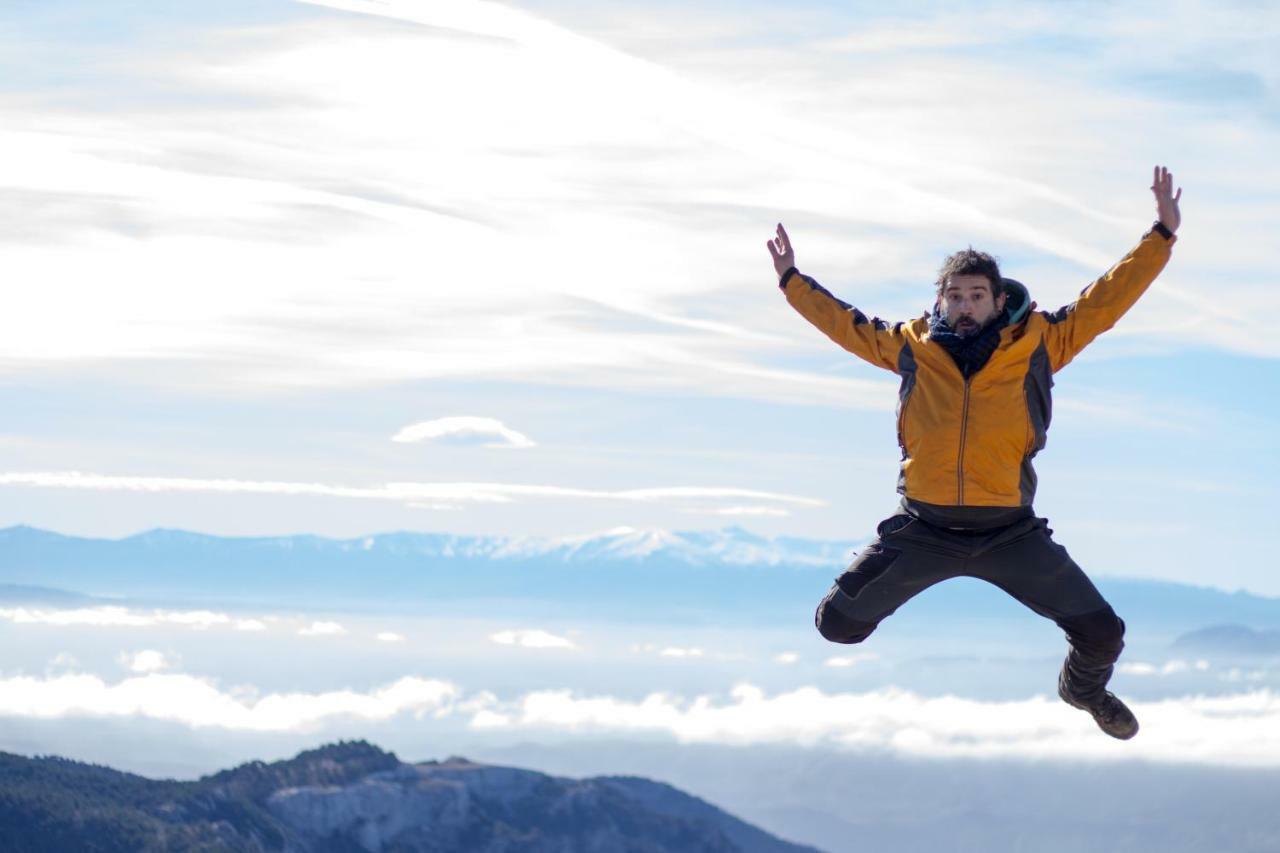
(355,797)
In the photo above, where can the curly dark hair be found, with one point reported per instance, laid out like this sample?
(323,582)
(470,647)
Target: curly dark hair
(971,262)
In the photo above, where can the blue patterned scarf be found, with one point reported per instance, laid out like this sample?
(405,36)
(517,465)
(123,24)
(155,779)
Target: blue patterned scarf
(971,352)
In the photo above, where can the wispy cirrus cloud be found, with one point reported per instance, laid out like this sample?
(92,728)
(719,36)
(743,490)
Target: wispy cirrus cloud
(772,511)
(315,228)
(416,493)
(490,432)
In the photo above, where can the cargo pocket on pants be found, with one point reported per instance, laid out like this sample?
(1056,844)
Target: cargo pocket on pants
(838,616)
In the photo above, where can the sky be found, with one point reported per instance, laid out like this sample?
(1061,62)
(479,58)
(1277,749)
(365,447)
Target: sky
(498,268)
(345,267)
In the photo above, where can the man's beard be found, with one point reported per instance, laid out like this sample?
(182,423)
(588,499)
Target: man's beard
(967,327)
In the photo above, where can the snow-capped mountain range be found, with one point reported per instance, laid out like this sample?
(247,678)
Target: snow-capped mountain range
(725,574)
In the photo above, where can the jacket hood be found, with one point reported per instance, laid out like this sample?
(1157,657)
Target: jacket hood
(1017,301)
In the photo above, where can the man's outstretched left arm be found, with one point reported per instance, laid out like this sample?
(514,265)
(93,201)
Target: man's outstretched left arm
(1102,303)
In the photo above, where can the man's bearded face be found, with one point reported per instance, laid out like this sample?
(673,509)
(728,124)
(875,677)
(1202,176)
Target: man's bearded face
(966,304)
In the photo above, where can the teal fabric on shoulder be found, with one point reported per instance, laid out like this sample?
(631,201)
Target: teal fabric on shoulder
(1017,301)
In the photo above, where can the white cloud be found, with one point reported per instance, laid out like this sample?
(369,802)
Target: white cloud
(1172,667)
(1240,729)
(464,428)
(114,616)
(390,637)
(1236,675)
(322,629)
(64,660)
(486,719)
(670,651)
(845,661)
(193,618)
(147,660)
(786,658)
(200,703)
(532,639)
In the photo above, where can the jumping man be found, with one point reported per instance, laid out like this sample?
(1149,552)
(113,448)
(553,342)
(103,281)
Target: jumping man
(973,410)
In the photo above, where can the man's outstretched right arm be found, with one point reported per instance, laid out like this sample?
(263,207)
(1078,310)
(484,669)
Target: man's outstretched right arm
(871,339)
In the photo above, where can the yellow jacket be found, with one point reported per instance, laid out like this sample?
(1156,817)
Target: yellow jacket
(970,442)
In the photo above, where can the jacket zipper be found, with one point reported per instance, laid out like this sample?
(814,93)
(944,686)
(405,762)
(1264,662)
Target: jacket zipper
(964,425)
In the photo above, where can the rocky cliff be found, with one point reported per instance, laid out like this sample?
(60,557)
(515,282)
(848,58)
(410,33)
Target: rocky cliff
(356,797)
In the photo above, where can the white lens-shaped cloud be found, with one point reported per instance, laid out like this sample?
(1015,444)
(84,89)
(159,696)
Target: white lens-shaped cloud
(465,429)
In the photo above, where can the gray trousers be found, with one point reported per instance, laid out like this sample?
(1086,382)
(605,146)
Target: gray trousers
(910,555)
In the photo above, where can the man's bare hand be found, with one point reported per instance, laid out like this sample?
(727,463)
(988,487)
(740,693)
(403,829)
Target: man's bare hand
(1166,200)
(784,257)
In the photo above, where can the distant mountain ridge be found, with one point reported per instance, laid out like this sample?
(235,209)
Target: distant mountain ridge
(353,796)
(1230,640)
(728,546)
(587,572)
(725,575)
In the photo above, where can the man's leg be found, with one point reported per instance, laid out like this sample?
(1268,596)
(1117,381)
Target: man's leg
(905,559)
(1025,562)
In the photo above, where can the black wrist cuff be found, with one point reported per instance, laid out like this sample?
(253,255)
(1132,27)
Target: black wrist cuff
(786,274)
(1159,228)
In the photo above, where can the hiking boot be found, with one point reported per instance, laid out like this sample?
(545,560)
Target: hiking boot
(1111,715)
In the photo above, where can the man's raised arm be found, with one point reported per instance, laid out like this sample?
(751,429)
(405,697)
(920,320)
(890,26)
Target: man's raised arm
(871,339)
(1102,303)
